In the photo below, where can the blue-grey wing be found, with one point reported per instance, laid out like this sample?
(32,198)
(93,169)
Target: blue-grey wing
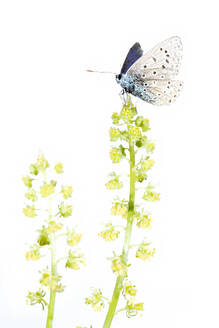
(134,54)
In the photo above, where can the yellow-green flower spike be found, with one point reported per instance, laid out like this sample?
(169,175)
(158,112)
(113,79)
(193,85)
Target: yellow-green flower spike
(52,211)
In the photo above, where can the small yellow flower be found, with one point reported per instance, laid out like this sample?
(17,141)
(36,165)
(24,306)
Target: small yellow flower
(96,300)
(42,163)
(144,221)
(53,226)
(145,125)
(73,238)
(115,155)
(150,146)
(151,195)
(27,181)
(29,211)
(34,169)
(114,134)
(129,289)
(43,238)
(31,195)
(66,191)
(147,164)
(65,210)
(115,118)
(128,111)
(144,252)
(46,190)
(119,268)
(33,254)
(110,233)
(114,183)
(51,281)
(120,208)
(135,132)
(36,298)
(133,308)
(74,260)
(59,168)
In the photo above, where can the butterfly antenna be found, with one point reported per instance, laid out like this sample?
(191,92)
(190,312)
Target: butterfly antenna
(90,71)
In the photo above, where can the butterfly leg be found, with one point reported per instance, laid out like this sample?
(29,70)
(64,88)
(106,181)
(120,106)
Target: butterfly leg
(124,96)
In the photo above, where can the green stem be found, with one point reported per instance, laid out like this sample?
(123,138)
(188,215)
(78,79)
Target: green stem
(53,273)
(128,230)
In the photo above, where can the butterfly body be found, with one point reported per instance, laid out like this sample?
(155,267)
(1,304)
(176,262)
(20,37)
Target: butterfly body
(135,86)
(150,76)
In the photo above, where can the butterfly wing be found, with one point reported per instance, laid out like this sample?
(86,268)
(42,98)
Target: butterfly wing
(134,54)
(161,62)
(158,92)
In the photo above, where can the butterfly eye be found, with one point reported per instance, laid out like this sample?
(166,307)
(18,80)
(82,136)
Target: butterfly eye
(119,76)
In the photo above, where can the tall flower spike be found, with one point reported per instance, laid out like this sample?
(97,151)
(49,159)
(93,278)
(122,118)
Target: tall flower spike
(134,146)
(43,190)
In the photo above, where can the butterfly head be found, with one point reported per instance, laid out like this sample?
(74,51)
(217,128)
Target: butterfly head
(118,77)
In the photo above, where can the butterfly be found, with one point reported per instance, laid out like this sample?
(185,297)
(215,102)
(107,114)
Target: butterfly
(150,76)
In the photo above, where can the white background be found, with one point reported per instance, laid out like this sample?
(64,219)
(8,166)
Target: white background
(48,102)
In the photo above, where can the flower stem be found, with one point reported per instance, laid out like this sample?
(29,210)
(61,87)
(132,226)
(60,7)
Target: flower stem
(128,230)
(53,273)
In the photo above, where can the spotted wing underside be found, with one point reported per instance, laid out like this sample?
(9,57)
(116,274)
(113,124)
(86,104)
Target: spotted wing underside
(159,92)
(161,62)
(134,54)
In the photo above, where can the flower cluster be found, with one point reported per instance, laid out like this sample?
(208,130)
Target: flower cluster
(34,253)
(52,281)
(144,252)
(120,207)
(114,182)
(110,233)
(119,267)
(150,194)
(143,220)
(37,298)
(96,300)
(74,260)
